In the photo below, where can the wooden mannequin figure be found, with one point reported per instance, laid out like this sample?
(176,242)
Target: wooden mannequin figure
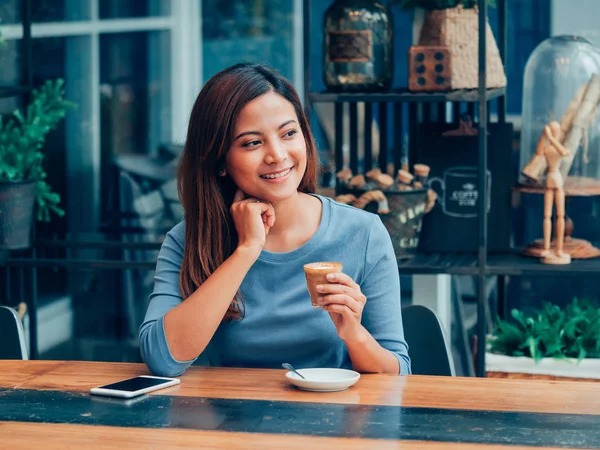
(554,152)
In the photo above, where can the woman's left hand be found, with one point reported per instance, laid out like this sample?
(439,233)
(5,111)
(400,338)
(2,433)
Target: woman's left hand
(344,301)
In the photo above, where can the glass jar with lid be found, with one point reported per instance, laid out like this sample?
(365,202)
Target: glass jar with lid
(561,94)
(358,46)
(555,88)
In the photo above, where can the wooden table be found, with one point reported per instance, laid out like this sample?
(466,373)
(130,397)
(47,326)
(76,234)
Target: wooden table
(45,404)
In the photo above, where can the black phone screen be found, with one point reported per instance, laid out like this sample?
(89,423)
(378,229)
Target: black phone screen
(134,384)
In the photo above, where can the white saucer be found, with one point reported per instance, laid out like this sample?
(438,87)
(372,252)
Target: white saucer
(324,380)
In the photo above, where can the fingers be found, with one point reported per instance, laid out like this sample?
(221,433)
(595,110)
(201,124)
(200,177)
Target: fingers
(264,209)
(268,213)
(344,279)
(339,289)
(341,300)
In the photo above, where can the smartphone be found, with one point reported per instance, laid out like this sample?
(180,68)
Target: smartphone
(132,387)
(120,402)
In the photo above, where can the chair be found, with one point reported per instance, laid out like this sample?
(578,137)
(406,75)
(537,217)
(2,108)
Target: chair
(12,337)
(429,352)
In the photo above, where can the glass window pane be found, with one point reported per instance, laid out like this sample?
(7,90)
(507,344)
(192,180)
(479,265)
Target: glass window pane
(59,10)
(49,55)
(10,11)
(118,9)
(247,30)
(10,74)
(134,99)
(96,313)
(133,72)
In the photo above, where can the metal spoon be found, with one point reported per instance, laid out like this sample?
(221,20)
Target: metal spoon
(288,366)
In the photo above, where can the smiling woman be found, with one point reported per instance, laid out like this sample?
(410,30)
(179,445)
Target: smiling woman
(229,280)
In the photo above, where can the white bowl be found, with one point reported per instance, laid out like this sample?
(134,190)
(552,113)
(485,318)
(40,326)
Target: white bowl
(324,380)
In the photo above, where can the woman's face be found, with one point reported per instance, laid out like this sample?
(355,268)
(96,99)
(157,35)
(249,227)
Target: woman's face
(267,158)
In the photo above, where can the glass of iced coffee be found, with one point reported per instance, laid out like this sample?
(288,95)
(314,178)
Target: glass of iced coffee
(316,274)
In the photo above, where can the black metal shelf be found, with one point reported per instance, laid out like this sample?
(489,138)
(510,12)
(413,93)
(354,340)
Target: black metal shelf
(513,264)
(79,264)
(516,264)
(439,263)
(498,264)
(474,263)
(406,96)
(12,91)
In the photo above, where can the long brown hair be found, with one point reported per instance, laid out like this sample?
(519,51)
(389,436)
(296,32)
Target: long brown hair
(210,235)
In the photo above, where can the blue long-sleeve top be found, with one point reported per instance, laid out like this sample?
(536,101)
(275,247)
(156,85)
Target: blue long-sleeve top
(280,325)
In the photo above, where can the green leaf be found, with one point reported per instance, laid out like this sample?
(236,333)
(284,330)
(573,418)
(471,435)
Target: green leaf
(22,138)
(572,333)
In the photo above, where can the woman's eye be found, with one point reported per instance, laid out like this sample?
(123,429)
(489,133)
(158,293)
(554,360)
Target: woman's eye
(251,144)
(290,133)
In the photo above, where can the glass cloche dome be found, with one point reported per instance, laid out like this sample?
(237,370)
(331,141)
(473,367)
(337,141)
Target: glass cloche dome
(562,84)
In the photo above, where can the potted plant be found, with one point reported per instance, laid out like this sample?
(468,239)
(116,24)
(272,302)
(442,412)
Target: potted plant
(549,343)
(22,176)
(446,46)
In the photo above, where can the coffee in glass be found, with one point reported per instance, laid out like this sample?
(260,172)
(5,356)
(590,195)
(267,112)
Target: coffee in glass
(316,274)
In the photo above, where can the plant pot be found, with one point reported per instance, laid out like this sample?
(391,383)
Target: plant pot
(16,214)
(522,367)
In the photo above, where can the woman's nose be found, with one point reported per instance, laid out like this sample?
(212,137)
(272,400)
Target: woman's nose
(276,153)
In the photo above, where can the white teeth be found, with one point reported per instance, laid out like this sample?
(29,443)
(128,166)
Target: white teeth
(277,175)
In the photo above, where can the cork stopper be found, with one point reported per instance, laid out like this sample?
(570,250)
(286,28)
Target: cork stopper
(405,177)
(421,170)
(385,181)
(357,181)
(373,174)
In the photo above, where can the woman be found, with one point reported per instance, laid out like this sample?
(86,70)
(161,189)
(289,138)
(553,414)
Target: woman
(229,280)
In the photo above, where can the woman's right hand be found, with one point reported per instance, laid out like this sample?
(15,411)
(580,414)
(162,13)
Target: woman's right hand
(253,219)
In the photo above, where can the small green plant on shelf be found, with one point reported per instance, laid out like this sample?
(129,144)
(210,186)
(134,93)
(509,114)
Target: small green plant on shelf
(22,138)
(438,4)
(551,332)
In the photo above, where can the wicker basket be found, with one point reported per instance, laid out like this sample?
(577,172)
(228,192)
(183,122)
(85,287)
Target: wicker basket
(457,29)
(404,220)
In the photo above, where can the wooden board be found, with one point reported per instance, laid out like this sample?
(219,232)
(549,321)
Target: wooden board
(255,408)
(19,435)
(372,389)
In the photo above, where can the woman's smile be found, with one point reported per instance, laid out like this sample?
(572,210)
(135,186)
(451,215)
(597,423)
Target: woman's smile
(277,176)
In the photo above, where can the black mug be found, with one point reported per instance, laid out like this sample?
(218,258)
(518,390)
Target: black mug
(458,192)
